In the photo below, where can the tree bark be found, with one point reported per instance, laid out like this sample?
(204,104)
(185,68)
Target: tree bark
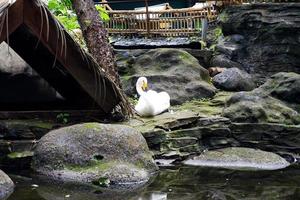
(96,37)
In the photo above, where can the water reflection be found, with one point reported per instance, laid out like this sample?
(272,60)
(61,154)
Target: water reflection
(185,183)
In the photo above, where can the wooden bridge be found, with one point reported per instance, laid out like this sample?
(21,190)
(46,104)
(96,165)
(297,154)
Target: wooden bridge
(169,22)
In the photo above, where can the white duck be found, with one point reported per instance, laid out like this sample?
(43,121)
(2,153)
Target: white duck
(150,102)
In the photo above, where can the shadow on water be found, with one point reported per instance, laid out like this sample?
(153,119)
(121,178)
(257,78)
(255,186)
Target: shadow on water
(184,183)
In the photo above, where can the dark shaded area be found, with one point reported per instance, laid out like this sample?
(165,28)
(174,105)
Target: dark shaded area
(45,63)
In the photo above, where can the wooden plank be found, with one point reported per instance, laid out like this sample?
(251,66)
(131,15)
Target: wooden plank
(14,19)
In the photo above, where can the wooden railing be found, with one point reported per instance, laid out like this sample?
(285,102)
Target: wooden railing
(173,22)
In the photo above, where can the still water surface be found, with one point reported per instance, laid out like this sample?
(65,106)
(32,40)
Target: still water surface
(184,183)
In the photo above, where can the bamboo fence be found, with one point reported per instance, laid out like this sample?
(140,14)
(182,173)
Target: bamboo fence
(171,22)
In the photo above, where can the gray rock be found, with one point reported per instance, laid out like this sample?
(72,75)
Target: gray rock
(233,79)
(224,61)
(254,107)
(263,135)
(284,86)
(271,39)
(92,151)
(239,158)
(274,102)
(174,71)
(6,185)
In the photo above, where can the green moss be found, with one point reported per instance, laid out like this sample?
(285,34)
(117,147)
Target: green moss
(44,125)
(91,167)
(92,125)
(185,56)
(23,154)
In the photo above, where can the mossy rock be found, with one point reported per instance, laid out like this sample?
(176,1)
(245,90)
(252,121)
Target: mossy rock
(239,158)
(172,70)
(90,151)
(273,102)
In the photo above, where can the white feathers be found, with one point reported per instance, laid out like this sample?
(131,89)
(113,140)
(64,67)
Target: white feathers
(150,102)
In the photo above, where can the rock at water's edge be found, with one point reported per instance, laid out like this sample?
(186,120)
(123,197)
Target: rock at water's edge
(6,185)
(91,152)
(239,158)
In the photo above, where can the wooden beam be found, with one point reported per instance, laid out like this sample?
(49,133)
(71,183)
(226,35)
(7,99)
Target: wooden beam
(14,19)
(69,56)
(147,18)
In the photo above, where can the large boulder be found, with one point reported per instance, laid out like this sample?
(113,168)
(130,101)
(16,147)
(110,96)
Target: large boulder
(239,158)
(274,102)
(96,153)
(174,71)
(234,79)
(6,185)
(263,37)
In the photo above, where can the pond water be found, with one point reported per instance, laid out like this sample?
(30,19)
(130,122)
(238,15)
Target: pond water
(182,183)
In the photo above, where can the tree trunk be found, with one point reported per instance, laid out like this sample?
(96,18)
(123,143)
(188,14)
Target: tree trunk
(96,37)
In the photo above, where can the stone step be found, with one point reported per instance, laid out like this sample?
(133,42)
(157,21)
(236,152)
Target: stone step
(200,132)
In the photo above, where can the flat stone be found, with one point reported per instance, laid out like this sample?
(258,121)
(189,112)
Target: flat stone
(182,142)
(200,132)
(214,121)
(239,158)
(166,121)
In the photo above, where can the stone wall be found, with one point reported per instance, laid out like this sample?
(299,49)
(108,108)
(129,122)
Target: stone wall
(263,39)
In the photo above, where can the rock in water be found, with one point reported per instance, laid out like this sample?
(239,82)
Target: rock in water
(239,158)
(92,152)
(234,79)
(171,70)
(6,185)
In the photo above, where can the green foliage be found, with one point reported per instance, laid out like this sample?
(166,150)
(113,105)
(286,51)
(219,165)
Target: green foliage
(64,12)
(62,9)
(218,32)
(63,118)
(103,13)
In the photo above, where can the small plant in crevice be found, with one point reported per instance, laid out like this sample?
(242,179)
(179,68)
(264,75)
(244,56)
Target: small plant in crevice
(102,182)
(63,118)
